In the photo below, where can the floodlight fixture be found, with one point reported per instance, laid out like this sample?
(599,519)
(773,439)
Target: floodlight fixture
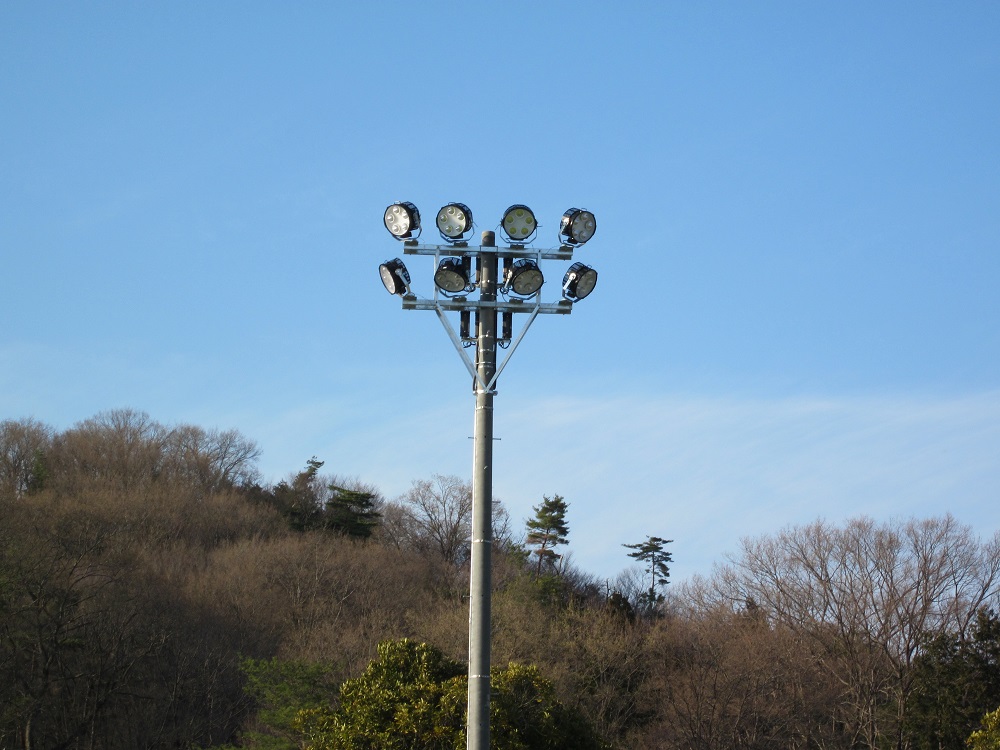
(402,219)
(395,276)
(578,226)
(518,223)
(579,282)
(452,275)
(486,299)
(523,278)
(454,222)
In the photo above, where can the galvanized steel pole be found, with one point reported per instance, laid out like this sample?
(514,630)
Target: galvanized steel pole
(480,589)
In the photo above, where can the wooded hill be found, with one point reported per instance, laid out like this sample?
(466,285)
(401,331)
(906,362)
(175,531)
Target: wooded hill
(155,593)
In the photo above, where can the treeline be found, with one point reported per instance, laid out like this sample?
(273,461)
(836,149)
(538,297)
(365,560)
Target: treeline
(148,575)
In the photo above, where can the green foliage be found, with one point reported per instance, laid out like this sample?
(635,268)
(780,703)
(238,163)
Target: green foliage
(308,505)
(550,590)
(414,698)
(652,553)
(297,501)
(526,715)
(350,512)
(955,680)
(409,697)
(547,530)
(39,473)
(988,737)
(619,605)
(282,689)
(518,554)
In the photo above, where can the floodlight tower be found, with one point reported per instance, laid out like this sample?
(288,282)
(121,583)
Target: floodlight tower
(517,283)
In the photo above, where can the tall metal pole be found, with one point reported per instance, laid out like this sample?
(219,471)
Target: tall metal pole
(478,727)
(403,222)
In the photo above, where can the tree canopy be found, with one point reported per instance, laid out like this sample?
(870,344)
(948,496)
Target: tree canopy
(652,553)
(955,681)
(412,697)
(155,592)
(987,737)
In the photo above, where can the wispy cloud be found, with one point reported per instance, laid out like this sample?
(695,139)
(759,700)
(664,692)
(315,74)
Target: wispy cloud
(703,471)
(707,471)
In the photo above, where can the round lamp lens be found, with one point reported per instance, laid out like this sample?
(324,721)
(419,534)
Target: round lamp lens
(519,222)
(394,276)
(584,225)
(387,278)
(526,278)
(397,221)
(454,220)
(402,219)
(578,226)
(450,276)
(586,283)
(579,281)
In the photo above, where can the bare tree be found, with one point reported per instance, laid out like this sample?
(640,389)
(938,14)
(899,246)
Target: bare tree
(721,679)
(865,594)
(435,517)
(212,459)
(121,448)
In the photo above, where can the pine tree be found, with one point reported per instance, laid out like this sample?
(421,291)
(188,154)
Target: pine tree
(351,512)
(653,553)
(547,530)
(299,502)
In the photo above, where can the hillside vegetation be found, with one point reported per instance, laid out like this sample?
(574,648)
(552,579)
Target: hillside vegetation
(156,593)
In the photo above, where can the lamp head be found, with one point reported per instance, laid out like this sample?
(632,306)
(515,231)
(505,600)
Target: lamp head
(518,223)
(579,282)
(578,226)
(402,219)
(395,277)
(524,278)
(452,275)
(454,222)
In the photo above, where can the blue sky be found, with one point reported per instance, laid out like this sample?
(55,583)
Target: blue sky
(798,245)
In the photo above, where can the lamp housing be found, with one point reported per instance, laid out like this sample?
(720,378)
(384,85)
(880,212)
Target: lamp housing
(524,278)
(518,223)
(454,222)
(579,282)
(402,219)
(395,277)
(452,275)
(578,226)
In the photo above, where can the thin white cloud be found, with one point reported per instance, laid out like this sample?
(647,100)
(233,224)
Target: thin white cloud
(707,471)
(703,471)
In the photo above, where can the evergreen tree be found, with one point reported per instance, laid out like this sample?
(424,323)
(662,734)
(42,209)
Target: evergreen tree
(39,473)
(547,530)
(298,501)
(413,697)
(955,681)
(652,553)
(281,690)
(309,504)
(351,512)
